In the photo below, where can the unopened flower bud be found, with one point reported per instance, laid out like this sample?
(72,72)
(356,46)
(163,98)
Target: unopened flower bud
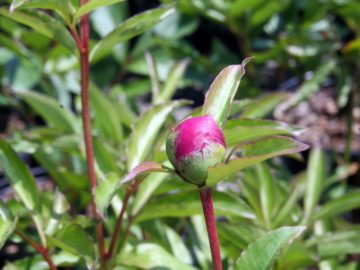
(193,146)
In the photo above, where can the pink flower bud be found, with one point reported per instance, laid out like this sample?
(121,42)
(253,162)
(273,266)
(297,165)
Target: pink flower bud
(193,146)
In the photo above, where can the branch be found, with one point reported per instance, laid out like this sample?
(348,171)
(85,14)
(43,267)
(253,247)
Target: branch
(42,250)
(131,189)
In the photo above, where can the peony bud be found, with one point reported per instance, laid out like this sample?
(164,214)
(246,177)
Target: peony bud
(193,146)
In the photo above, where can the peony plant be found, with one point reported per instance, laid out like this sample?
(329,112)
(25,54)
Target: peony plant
(196,148)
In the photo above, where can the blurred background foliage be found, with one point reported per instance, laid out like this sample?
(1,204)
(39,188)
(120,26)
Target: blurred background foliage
(306,72)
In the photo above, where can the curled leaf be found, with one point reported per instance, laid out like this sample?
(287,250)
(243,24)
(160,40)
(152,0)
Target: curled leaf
(143,168)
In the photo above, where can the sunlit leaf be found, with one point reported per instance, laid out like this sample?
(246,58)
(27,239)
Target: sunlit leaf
(62,7)
(146,130)
(267,192)
(44,24)
(260,254)
(91,6)
(51,111)
(314,180)
(187,204)
(239,7)
(153,74)
(263,105)
(254,152)
(290,202)
(333,244)
(105,191)
(7,224)
(240,234)
(264,11)
(338,206)
(104,157)
(309,87)
(151,256)
(19,177)
(177,245)
(242,129)
(225,86)
(130,28)
(172,81)
(75,240)
(106,117)
(146,189)
(60,206)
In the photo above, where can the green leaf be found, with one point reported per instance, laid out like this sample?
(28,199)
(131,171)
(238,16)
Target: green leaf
(309,87)
(105,191)
(338,206)
(288,205)
(60,207)
(75,240)
(240,234)
(62,7)
(338,243)
(153,74)
(108,187)
(172,81)
(145,190)
(14,46)
(263,105)
(177,245)
(225,86)
(64,258)
(314,181)
(239,7)
(106,117)
(104,157)
(146,130)
(188,204)
(19,177)
(264,12)
(51,111)
(267,192)
(238,130)
(254,152)
(91,6)
(7,224)
(44,24)
(296,256)
(130,28)
(261,254)
(151,256)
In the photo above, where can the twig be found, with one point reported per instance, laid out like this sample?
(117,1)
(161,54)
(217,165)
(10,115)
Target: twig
(42,250)
(208,209)
(119,221)
(126,233)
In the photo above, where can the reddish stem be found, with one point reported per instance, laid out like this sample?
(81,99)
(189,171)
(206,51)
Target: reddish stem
(76,37)
(42,250)
(118,224)
(208,209)
(85,70)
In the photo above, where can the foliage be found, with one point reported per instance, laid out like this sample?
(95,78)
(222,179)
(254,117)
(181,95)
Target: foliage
(261,205)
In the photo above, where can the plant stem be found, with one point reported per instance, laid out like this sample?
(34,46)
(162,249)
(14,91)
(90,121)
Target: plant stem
(85,70)
(42,250)
(118,224)
(126,234)
(208,209)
